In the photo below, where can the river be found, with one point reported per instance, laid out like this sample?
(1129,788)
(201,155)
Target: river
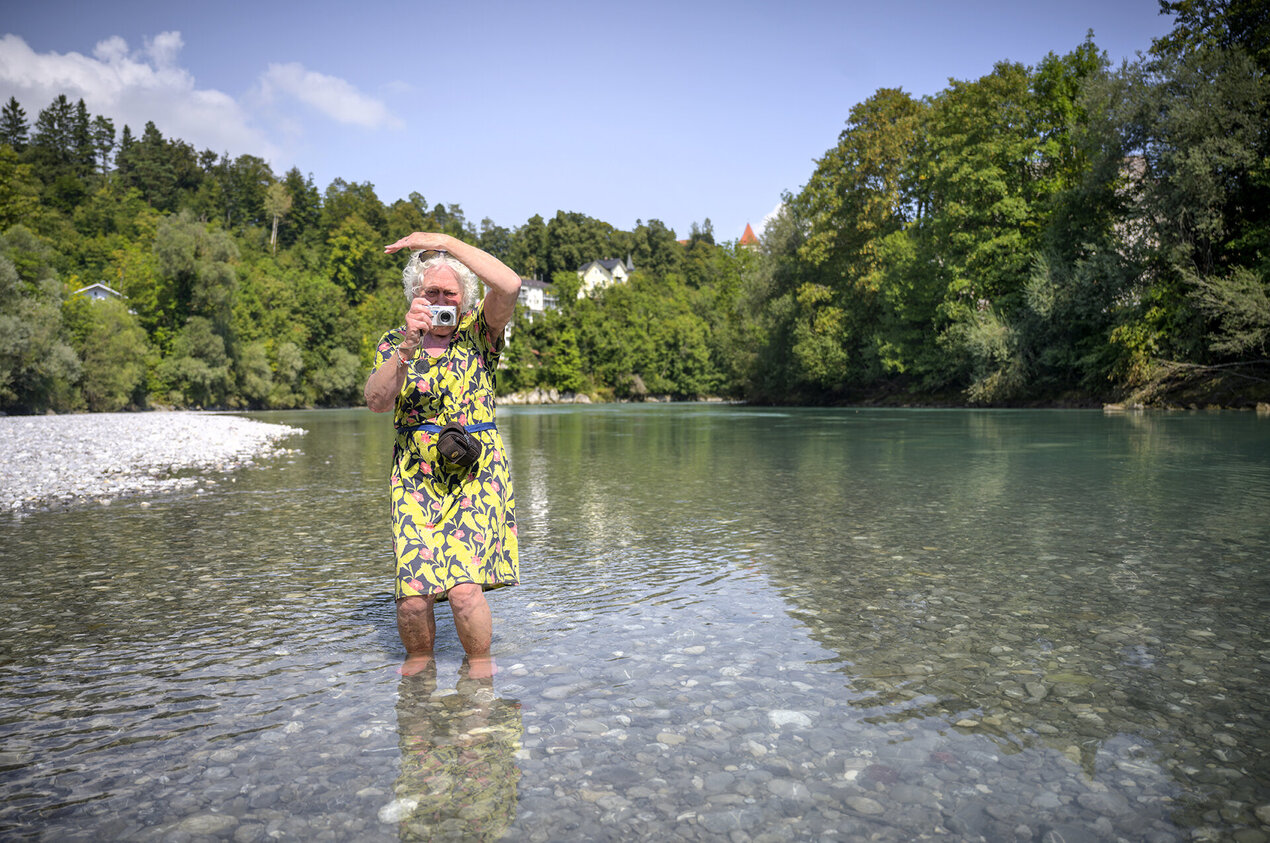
(733,622)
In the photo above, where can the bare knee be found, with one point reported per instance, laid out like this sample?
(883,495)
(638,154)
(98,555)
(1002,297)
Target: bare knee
(466,597)
(414,607)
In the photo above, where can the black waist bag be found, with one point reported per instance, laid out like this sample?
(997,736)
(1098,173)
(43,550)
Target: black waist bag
(457,446)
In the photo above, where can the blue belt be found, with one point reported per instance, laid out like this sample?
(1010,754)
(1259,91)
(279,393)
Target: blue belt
(436,428)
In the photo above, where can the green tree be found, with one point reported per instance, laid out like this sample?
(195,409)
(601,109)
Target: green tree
(85,150)
(653,249)
(355,257)
(863,191)
(162,170)
(113,347)
(1198,119)
(198,372)
(278,201)
(14,129)
(529,249)
(495,239)
(288,367)
(1224,24)
(306,206)
(344,200)
(19,190)
(575,239)
(406,216)
(245,182)
(1239,304)
(38,368)
(337,379)
(53,142)
(54,155)
(562,364)
(255,374)
(103,141)
(197,266)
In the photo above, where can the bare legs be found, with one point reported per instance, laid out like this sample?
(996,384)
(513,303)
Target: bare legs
(417,626)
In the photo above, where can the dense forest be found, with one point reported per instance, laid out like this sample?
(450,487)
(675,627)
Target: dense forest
(1063,233)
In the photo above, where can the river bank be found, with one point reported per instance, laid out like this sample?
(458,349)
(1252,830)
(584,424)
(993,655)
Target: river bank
(53,461)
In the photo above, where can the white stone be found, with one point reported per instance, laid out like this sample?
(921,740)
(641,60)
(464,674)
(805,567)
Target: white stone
(397,810)
(781,717)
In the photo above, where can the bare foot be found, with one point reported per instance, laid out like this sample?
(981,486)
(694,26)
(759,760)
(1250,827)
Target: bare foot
(416,663)
(480,667)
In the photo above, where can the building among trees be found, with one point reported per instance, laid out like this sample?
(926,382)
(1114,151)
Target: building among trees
(536,296)
(599,274)
(98,292)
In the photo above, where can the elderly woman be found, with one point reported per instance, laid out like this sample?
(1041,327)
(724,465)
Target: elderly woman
(454,525)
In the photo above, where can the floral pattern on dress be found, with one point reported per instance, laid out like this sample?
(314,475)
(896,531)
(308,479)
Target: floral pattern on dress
(450,526)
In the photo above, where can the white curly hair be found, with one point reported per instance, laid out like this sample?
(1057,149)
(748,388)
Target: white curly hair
(423,261)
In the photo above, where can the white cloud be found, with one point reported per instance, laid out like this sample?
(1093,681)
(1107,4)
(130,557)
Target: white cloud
(135,86)
(163,48)
(131,88)
(329,95)
(771,215)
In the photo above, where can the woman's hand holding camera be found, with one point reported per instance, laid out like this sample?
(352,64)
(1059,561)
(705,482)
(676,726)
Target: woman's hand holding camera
(418,323)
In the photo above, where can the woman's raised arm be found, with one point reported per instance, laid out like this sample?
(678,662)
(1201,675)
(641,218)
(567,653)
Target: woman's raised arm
(502,284)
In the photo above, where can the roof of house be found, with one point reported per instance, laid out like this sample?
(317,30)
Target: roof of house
(608,265)
(748,238)
(98,286)
(534,282)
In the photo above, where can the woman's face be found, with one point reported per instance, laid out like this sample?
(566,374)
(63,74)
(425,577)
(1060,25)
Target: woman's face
(441,287)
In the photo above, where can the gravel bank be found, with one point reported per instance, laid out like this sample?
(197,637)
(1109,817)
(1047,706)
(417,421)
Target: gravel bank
(51,461)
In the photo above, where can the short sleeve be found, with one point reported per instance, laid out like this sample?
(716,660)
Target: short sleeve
(387,345)
(490,342)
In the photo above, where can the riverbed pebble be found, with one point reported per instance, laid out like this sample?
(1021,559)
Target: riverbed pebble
(58,461)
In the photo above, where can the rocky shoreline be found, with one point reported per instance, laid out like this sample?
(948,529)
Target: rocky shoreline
(555,396)
(57,461)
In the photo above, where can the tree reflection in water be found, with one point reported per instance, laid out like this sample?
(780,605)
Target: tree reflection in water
(458,767)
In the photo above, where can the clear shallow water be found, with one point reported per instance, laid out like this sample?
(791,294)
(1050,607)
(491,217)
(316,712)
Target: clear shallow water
(766,624)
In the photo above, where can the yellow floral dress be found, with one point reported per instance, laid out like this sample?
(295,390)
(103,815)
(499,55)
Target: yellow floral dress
(451,525)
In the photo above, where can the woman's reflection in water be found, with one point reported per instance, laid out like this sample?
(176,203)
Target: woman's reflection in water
(457,757)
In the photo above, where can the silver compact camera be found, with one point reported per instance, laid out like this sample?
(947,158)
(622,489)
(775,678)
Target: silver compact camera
(444,315)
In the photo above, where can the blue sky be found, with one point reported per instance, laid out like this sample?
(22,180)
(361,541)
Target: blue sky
(673,111)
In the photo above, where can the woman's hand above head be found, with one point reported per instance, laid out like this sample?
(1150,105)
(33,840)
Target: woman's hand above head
(421,240)
(502,284)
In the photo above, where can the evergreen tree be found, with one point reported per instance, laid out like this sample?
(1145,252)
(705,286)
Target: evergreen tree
(52,148)
(83,147)
(245,181)
(306,207)
(13,126)
(103,134)
(162,170)
(124,156)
